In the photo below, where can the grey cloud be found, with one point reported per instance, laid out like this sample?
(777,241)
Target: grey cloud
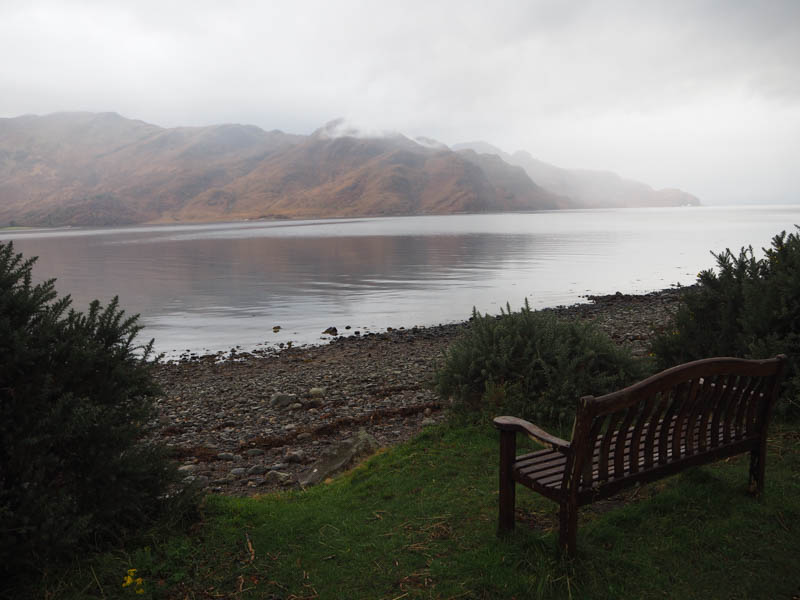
(649,89)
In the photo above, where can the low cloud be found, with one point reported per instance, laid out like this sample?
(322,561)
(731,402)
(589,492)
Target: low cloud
(684,94)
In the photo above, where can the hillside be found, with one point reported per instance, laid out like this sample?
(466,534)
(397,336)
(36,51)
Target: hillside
(104,169)
(585,188)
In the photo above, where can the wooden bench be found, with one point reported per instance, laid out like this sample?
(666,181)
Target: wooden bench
(691,414)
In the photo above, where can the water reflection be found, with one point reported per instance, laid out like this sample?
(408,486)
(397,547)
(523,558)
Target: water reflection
(216,286)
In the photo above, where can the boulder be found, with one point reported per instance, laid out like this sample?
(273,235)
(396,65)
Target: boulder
(279,400)
(295,456)
(278,477)
(344,455)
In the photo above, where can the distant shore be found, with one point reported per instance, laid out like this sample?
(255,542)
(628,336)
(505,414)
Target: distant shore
(224,423)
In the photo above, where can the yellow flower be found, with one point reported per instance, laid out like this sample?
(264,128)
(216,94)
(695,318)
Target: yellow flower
(129,580)
(140,591)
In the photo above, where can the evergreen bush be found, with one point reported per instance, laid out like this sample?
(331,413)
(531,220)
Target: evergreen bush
(748,308)
(75,399)
(532,365)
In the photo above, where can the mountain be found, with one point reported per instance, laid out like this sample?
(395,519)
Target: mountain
(585,188)
(104,169)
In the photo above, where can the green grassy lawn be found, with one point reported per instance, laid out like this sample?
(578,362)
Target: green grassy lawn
(419,521)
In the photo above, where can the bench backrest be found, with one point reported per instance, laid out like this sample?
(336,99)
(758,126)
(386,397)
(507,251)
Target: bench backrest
(694,409)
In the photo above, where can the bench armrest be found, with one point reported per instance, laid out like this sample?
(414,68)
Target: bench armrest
(531,430)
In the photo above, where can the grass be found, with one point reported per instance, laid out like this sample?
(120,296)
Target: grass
(419,521)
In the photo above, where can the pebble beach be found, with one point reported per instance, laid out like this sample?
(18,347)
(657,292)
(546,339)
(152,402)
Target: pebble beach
(247,424)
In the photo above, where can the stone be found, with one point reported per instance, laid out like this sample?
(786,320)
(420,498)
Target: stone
(238,471)
(317,392)
(426,422)
(226,456)
(331,331)
(295,406)
(301,437)
(427,412)
(257,470)
(278,477)
(295,456)
(188,468)
(341,456)
(279,400)
(254,452)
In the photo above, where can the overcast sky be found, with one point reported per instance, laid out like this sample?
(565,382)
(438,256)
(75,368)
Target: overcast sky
(704,96)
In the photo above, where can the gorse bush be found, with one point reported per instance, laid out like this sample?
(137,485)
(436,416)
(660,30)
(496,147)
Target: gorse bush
(748,308)
(75,397)
(533,365)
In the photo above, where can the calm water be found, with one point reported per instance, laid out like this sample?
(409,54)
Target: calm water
(206,288)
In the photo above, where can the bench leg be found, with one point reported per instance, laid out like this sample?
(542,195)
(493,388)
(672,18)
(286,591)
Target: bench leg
(568,527)
(757,460)
(508,450)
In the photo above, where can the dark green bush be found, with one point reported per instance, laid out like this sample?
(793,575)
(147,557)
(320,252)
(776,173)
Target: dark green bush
(533,365)
(75,397)
(749,308)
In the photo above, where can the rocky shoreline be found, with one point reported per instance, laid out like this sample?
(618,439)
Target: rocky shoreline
(250,424)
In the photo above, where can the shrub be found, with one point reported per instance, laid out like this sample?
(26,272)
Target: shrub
(533,365)
(749,308)
(75,397)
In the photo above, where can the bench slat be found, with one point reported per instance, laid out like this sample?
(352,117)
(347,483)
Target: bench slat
(531,469)
(730,408)
(606,443)
(642,423)
(712,390)
(687,406)
(669,415)
(650,437)
(619,445)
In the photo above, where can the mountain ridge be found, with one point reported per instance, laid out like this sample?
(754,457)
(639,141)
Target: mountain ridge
(104,169)
(585,187)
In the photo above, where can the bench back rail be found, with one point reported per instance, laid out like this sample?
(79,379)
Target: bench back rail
(704,408)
